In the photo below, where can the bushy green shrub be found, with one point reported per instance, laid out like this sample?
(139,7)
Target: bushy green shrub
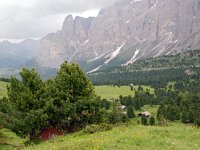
(197,122)
(97,128)
(124,118)
(130,112)
(144,121)
(115,117)
(152,121)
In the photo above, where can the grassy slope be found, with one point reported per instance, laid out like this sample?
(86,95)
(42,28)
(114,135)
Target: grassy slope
(130,136)
(3,89)
(110,92)
(9,140)
(175,136)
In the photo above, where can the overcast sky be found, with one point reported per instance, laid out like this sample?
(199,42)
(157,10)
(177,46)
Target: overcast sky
(21,19)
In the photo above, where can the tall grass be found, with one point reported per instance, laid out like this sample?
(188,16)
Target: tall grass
(176,136)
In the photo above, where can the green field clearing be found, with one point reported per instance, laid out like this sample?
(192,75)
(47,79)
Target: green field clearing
(3,89)
(110,92)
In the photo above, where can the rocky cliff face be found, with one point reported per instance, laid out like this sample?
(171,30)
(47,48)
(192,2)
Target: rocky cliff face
(122,34)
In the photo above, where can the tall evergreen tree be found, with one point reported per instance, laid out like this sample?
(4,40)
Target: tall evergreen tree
(25,112)
(137,103)
(172,112)
(73,98)
(184,116)
(152,121)
(130,112)
(144,120)
(161,111)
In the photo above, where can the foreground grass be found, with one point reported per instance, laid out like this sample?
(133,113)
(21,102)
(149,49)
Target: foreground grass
(174,136)
(110,92)
(3,89)
(9,140)
(124,137)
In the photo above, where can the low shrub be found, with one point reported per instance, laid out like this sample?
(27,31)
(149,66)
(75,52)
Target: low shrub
(97,128)
(152,121)
(197,122)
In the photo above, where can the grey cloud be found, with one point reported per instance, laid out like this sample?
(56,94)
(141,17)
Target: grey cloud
(44,16)
(66,6)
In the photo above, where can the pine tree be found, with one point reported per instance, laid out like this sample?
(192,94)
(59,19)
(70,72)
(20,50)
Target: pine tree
(130,112)
(131,87)
(25,114)
(197,122)
(137,103)
(152,121)
(161,111)
(144,121)
(140,88)
(184,116)
(129,100)
(73,98)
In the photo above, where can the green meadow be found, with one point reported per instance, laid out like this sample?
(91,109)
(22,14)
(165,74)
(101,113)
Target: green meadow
(113,92)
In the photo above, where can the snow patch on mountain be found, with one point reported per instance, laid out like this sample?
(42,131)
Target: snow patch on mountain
(114,54)
(133,59)
(160,52)
(86,41)
(96,69)
(135,1)
(96,58)
(172,49)
(128,21)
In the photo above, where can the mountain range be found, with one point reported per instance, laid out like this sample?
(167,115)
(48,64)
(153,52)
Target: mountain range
(16,54)
(128,31)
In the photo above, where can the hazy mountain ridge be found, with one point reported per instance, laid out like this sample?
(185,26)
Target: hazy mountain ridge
(123,34)
(14,55)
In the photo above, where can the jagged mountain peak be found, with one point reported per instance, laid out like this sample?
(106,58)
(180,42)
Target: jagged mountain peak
(124,33)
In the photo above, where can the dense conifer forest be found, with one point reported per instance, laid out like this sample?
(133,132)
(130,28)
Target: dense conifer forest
(154,71)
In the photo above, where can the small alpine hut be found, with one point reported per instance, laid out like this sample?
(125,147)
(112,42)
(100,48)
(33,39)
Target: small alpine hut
(122,107)
(146,114)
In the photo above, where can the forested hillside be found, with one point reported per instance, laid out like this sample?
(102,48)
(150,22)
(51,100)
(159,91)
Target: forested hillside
(160,70)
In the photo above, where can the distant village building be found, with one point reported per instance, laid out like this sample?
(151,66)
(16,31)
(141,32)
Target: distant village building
(190,72)
(146,114)
(122,107)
